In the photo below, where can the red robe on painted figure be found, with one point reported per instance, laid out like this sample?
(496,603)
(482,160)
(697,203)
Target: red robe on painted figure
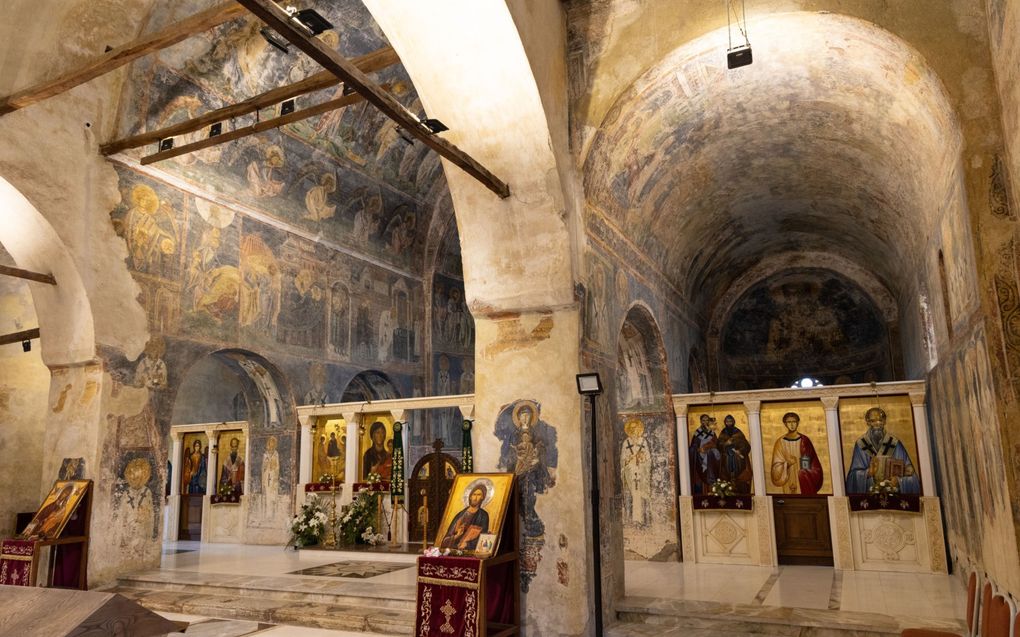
(795,465)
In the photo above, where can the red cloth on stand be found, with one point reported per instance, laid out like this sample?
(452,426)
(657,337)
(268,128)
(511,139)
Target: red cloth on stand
(16,558)
(447,598)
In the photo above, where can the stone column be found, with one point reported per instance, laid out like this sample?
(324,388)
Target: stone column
(305,458)
(753,409)
(173,515)
(837,476)
(683,460)
(175,463)
(839,505)
(351,475)
(210,483)
(923,463)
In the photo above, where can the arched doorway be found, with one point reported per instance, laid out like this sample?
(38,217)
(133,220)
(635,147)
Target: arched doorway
(644,431)
(238,385)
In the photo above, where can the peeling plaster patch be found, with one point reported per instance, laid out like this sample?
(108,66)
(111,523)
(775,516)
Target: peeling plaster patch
(512,336)
(563,572)
(59,406)
(88,393)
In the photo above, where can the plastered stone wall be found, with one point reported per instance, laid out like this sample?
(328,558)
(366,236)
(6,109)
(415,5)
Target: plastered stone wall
(24,389)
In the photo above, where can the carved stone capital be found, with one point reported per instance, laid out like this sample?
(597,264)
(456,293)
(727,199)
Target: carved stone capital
(917,399)
(752,407)
(829,402)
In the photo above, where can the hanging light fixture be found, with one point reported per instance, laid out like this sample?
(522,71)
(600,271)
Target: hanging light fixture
(740,55)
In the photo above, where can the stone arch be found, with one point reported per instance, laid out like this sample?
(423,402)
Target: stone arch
(64,310)
(369,385)
(645,440)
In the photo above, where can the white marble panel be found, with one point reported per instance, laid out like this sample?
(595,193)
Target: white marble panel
(223,522)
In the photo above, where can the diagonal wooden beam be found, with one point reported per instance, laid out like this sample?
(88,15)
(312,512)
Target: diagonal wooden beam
(351,76)
(258,127)
(18,337)
(7,270)
(122,55)
(369,63)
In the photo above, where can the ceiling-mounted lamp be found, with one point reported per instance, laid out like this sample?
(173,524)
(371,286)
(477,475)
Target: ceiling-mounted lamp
(274,39)
(311,20)
(434,125)
(740,55)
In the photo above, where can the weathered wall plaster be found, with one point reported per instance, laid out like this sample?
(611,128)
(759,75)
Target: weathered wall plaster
(24,389)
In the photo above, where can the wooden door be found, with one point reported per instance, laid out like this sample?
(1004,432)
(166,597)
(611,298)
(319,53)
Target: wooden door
(432,478)
(190,527)
(802,530)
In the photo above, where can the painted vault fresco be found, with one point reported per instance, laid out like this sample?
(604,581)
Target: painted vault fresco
(346,176)
(803,323)
(300,243)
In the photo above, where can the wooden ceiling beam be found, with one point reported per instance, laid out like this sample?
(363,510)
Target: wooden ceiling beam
(122,55)
(18,337)
(346,71)
(7,270)
(258,127)
(369,63)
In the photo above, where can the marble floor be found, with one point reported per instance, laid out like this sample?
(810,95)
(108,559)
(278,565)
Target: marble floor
(807,587)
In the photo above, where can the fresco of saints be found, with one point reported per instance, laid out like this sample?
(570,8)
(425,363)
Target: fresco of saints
(705,456)
(735,460)
(879,456)
(471,522)
(636,472)
(262,175)
(232,470)
(271,468)
(376,458)
(317,204)
(795,465)
(135,509)
(151,230)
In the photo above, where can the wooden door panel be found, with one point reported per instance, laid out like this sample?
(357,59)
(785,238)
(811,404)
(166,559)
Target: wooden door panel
(802,530)
(190,527)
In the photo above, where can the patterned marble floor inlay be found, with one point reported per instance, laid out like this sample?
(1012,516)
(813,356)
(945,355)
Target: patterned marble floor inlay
(766,588)
(351,569)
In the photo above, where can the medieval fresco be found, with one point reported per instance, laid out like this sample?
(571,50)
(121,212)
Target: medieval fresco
(970,454)
(796,448)
(647,470)
(453,345)
(207,271)
(346,175)
(803,323)
(136,497)
(719,448)
(879,443)
(530,452)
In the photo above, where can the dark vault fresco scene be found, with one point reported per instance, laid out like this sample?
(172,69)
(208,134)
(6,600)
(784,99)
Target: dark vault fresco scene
(810,323)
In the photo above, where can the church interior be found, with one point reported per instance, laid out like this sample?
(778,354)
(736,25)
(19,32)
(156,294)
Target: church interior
(718,300)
